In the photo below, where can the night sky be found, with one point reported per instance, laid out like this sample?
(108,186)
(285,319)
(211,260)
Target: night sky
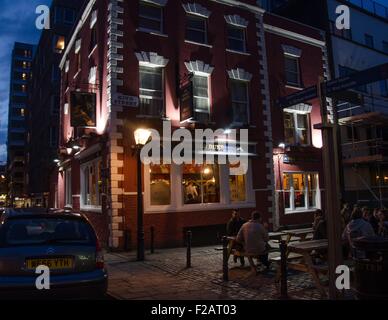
(17,23)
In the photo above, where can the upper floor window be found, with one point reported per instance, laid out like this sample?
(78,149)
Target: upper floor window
(64,15)
(236,38)
(240,101)
(201,98)
(151,91)
(369,42)
(196,29)
(296,128)
(292,70)
(150,17)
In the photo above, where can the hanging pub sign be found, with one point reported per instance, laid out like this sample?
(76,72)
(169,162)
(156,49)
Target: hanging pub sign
(83,109)
(187,102)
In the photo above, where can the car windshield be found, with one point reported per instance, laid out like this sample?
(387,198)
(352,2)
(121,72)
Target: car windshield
(37,231)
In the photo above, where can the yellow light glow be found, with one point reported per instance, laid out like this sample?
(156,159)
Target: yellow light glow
(142,136)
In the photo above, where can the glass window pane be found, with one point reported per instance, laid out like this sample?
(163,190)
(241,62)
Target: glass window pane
(192,184)
(160,179)
(150,11)
(211,184)
(289,128)
(149,24)
(299,190)
(196,29)
(237,185)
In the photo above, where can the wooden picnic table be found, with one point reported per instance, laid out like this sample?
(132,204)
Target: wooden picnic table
(306,264)
(299,233)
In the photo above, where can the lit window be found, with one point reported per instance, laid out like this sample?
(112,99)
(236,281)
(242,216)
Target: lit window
(237,187)
(292,70)
(236,38)
(150,17)
(160,180)
(22,112)
(151,91)
(59,44)
(24,76)
(301,191)
(201,98)
(196,29)
(91,184)
(240,101)
(296,128)
(201,184)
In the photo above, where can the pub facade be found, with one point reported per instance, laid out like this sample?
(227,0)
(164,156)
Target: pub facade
(157,64)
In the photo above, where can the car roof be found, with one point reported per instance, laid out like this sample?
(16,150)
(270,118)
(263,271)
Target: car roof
(40,213)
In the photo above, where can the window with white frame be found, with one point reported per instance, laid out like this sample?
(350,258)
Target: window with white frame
(150,17)
(240,101)
(301,191)
(68,189)
(195,186)
(151,91)
(201,97)
(292,70)
(296,128)
(236,38)
(91,184)
(160,185)
(196,29)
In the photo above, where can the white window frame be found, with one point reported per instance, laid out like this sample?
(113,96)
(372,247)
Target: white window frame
(163,99)
(295,114)
(68,188)
(198,17)
(307,208)
(207,76)
(146,3)
(84,207)
(297,59)
(244,31)
(246,83)
(177,203)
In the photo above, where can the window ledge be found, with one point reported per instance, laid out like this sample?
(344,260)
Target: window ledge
(94,209)
(238,52)
(294,87)
(153,32)
(199,207)
(310,210)
(199,44)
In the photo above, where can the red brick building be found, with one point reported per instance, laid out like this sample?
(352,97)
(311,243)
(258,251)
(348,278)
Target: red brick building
(296,59)
(124,68)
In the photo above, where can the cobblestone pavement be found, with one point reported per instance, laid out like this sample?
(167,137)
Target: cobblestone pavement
(163,276)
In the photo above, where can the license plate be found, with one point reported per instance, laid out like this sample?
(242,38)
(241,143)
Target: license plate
(52,264)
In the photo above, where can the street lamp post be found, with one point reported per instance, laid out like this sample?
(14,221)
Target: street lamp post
(141,138)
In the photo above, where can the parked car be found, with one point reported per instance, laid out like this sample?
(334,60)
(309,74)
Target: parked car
(64,242)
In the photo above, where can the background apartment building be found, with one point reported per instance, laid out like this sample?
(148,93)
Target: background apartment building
(44,101)
(22,55)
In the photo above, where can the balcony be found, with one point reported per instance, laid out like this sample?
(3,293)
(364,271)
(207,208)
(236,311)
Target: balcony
(372,111)
(364,152)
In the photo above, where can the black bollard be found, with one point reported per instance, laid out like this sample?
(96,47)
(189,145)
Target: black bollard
(283,270)
(225,268)
(189,237)
(152,240)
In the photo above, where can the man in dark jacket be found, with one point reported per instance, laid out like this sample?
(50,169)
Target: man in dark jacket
(232,229)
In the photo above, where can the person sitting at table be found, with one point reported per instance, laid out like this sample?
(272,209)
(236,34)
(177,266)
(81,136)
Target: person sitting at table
(357,228)
(383,223)
(232,228)
(319,225)
(369,217)
(254,238)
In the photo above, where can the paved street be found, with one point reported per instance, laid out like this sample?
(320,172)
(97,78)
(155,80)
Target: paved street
(164,276)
